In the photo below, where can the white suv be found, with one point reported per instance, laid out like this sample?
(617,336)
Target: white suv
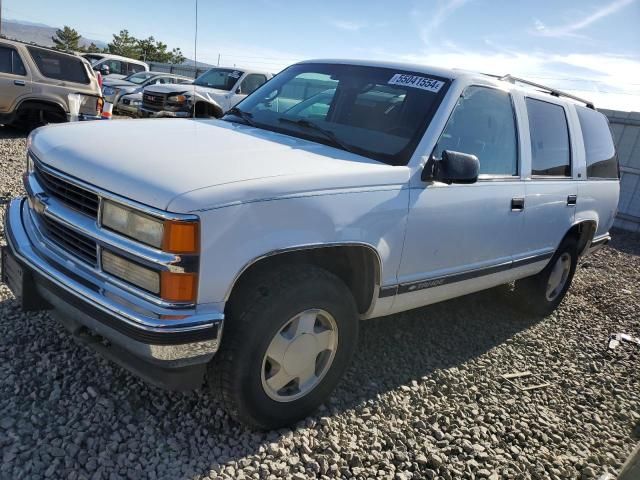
(338,191)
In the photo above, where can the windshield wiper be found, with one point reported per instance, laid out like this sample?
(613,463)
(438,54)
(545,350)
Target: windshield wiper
(327,133)
(246,116)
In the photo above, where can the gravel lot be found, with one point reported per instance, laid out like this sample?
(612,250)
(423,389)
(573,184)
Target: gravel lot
(424,398)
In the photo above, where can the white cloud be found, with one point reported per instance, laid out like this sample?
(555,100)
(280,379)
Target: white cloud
(347,25)
(570,29)
(607,79)
(430,20)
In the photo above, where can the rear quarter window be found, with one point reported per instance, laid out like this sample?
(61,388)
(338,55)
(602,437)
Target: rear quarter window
(59,66)
(550,150)
(600,151)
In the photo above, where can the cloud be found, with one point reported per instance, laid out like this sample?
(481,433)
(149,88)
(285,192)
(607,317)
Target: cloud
(430,21)
(347,25)
(605,78)
(570,29)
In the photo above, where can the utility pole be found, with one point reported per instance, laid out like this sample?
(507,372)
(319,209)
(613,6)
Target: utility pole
(0,17)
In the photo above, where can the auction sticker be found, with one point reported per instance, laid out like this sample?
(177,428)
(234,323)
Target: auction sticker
(414,81)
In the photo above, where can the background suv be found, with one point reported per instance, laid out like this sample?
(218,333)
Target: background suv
(35,84)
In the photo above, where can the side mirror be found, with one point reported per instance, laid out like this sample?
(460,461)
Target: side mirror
(238,91)
(455,167)
(104,69)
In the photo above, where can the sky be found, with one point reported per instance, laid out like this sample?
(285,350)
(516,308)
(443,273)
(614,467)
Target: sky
(587,47)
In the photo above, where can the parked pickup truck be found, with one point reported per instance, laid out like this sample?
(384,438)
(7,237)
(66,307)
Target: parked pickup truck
(114,88)
(210,95)
(245,250)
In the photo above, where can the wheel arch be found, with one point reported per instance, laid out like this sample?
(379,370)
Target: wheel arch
(358,264)
(583,231)
(48,104)
(210,109)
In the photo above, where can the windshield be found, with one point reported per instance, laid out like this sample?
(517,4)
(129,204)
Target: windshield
(219,78)
(139,77)
(380,113)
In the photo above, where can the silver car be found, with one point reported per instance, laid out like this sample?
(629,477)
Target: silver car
(114,88)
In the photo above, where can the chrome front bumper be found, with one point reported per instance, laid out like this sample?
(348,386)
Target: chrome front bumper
(150,340)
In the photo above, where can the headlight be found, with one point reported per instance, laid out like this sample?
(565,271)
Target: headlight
(168,235)
(133,224)
(131,272)
(177,99)
(107,91)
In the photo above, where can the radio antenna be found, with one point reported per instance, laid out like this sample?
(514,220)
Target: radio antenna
(195,62)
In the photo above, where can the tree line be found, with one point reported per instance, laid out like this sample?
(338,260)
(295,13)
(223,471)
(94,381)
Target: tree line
(145,49)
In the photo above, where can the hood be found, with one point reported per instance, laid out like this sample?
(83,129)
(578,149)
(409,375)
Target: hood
(117,82)
(185,165)
(113,77)
(187,88)
(132,96)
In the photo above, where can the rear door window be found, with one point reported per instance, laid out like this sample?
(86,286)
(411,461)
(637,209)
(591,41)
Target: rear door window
(59,66)
(10,61)
(134,68)
(598,144)
(251,83)
(550,151)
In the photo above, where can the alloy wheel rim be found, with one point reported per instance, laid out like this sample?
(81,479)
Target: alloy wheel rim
(299,355)
(558,276)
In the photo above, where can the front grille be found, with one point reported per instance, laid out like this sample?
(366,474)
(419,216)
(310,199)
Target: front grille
(77,198)
(72,242)
(153,101)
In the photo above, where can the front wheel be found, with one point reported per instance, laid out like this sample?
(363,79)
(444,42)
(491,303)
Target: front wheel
(289,338)
(542,293)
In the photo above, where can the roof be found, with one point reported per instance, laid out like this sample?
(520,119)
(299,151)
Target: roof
(118,57)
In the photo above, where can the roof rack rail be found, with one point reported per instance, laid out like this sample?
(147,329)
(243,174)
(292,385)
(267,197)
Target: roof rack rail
(544,88)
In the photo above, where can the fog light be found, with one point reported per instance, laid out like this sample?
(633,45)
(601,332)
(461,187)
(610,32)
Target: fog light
(131,272)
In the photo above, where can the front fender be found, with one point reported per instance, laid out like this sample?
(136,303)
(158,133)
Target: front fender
(235,236)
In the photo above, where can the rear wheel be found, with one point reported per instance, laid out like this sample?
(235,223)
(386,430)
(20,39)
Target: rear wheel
(542,293)
(289,337)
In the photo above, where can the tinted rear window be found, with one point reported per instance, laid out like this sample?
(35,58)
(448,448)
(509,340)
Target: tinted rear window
(59,66)
(550,151)
(598,144)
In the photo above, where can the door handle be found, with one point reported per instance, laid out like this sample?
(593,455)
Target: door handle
(19,83)
(572,200)
(517,204)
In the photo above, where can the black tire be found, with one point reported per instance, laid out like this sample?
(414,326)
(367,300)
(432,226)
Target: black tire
(531,292)
(265,303)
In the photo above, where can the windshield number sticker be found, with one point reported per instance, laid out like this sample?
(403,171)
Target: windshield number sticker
(235,74)
(416,82)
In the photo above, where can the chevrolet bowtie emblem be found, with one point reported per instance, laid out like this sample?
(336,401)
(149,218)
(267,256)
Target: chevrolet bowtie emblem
(38,202)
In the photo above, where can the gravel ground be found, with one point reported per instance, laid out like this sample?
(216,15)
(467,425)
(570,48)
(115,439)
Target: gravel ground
(424,398)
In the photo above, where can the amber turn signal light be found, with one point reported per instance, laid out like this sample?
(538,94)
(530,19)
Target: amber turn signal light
(178,287)
(180,237)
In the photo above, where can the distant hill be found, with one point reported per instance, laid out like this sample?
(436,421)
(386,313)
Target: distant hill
(41,34)
(38,33)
